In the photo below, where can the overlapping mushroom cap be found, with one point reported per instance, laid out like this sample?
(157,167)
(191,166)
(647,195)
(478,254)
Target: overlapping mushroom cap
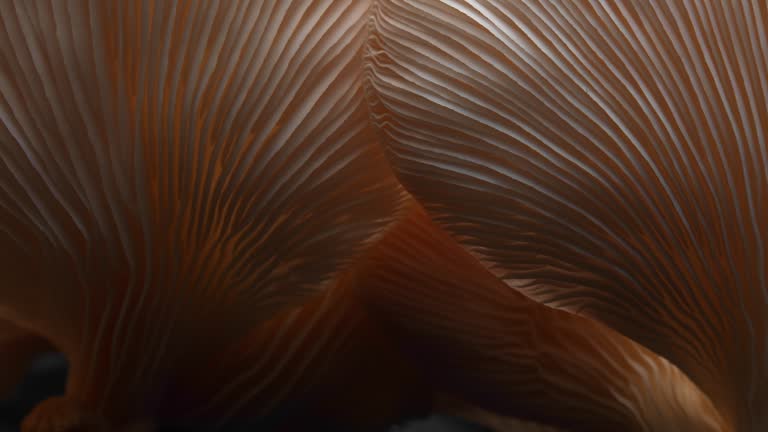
(481,341)
(459,331)
(174,173)
(171,173)
(608,158)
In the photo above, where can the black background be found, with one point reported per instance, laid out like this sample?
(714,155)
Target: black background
(48,375)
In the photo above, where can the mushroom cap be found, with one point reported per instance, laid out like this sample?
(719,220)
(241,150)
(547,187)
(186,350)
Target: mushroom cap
(606,158)
(481,341)
(174,173)
(457,329)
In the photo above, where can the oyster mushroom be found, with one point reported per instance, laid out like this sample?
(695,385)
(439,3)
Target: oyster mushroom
(171,175)
(606,158)
(481,341)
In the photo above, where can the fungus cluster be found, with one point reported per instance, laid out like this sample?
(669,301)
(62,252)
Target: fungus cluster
(363,210)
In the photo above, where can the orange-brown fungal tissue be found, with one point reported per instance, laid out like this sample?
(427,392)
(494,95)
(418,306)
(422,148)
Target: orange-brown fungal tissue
(172,173)
(554,211)
(479,340)
(604,157)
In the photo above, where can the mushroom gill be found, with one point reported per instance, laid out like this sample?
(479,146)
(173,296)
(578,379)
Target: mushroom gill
(606,158)
(333,362)
(172,173)
(328,364)
(481,341)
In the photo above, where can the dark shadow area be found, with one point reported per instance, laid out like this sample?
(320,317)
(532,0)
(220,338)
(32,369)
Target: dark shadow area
(48,376)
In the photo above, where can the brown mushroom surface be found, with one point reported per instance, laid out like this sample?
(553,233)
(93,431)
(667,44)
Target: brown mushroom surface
(172,173)
(481,341)
(604,157)
(328,364)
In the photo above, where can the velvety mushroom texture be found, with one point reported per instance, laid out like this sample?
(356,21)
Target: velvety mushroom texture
(481,341)
(604,157)
(172,173)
